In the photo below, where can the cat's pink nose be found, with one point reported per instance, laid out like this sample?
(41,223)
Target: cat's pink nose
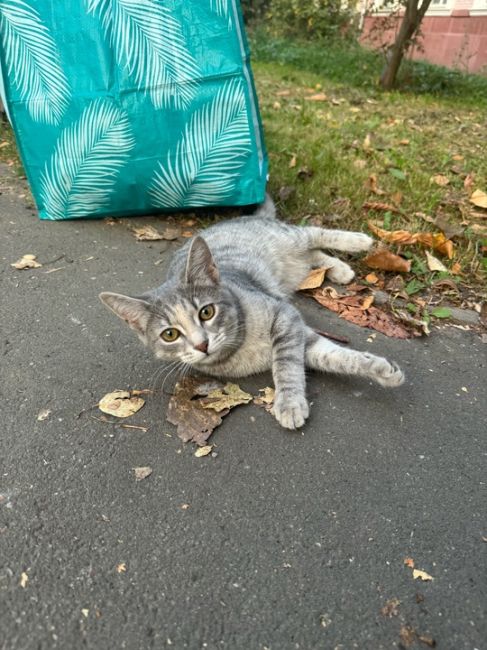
(202,347)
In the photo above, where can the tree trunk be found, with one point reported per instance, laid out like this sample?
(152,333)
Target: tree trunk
(410,23)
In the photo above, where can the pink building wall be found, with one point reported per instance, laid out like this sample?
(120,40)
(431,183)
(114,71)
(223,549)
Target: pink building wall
(458,40)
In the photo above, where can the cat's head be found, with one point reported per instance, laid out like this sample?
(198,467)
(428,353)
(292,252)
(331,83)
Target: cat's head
(193,318)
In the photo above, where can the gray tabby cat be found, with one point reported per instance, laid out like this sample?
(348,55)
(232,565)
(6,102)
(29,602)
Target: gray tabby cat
(224,308)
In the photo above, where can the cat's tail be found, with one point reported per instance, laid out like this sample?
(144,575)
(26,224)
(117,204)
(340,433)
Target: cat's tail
(266,210)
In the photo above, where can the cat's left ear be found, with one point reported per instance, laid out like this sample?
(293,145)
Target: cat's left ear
(134,311)
(200,266)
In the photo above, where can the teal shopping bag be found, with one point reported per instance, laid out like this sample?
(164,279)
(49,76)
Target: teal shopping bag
(125,107)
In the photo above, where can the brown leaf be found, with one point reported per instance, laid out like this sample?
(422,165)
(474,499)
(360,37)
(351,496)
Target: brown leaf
(314,279)
(380,207)
(185,410)
(469,181)
(390,608)
(427,640)
(436,241)
(408,561)
(349,308)
(120,403)
(479,199)
(283,93)
(141,473)
(456,269)
(371,185)
(407,635)
(478,229)
(386,260)
(26,262)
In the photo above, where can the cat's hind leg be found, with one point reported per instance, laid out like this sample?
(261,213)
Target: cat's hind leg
(337,271)
(322,354)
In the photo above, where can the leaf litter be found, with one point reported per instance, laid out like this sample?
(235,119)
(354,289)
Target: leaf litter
(149,233)
(141,473)
(356,309)
(199,405)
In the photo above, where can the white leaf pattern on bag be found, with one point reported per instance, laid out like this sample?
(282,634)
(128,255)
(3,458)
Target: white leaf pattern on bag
(214,147)
(32,62)
(149,43)
(82,172)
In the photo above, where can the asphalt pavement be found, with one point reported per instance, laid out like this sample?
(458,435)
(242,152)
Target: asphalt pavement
(282,541)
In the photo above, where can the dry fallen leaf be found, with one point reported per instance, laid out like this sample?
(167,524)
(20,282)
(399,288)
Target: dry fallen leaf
(26,262)
(407,635)
(141,473)
(440,179)
(390,608)
(24,579)
(427,640)
(456,269)
(120,403)
(422,575)
(185,506)
(381,207)
(371,278)
(402,237)
(221,399)
(293,161)
(147,233)
(385,260)
(434,263)
(408,561)
(371,185)
(122,567)
(314,279)
(185,410)
(43,414)
(203,451)
(349,307)
(317,97)
(368,300)
(479,199)
(85,612)
(267,399)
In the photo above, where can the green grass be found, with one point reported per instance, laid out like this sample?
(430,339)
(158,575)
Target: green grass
(403,138)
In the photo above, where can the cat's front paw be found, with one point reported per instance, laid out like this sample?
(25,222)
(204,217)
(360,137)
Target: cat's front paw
(389,374)
(358,242)
(290,410)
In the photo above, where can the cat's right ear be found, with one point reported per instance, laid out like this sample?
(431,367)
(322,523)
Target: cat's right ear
(134,311)
(200,265)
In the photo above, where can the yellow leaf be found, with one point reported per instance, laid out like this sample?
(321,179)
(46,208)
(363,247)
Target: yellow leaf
(434,263)
(26,262)
(267,398)
(367,302)
(226,398)
(313,280)
(422,575)
(479,199)
(293,161)
(371,278)
(366,142)
(121,404)
(203,451)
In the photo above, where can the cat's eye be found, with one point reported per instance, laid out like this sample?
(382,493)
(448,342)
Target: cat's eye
(206,313)
(170,335)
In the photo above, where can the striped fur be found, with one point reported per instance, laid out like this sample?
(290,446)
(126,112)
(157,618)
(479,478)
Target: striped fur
(247,269)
